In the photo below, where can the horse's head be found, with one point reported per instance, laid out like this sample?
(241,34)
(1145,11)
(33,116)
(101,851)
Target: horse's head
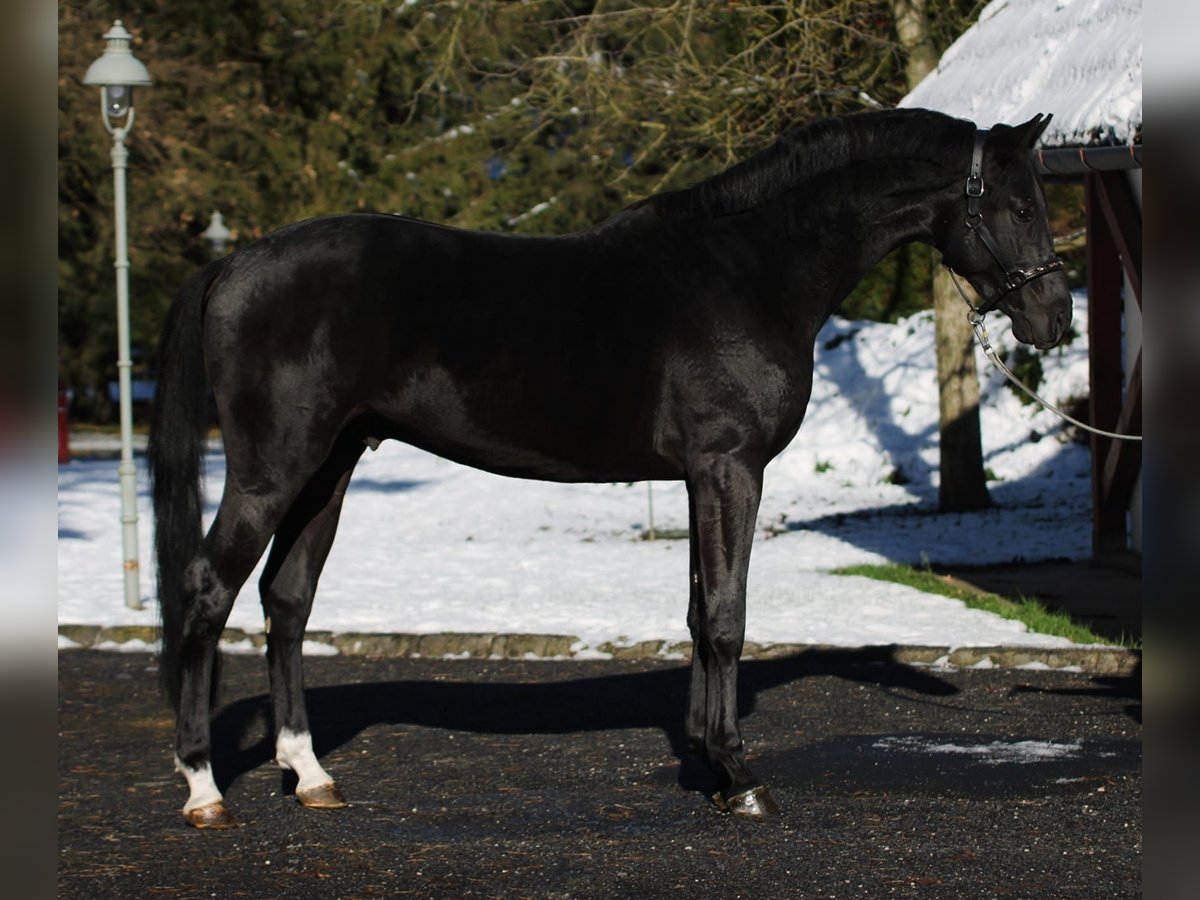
(999,238)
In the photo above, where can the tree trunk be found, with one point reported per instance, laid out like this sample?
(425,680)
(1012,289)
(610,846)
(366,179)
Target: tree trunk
(963,486)
(912,28)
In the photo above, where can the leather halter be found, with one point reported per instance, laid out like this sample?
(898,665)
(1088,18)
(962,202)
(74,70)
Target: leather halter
(1015,277)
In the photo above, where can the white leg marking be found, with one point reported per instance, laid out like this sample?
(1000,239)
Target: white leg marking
(201,786)
(293,750)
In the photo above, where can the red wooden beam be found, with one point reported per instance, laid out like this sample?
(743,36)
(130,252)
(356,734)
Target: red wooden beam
(1104,360)
(1124,221)
(1123,461)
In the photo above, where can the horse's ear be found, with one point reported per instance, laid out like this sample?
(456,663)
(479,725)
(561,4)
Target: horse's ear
(1026,135)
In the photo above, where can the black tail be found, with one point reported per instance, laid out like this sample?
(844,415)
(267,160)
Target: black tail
(175,456)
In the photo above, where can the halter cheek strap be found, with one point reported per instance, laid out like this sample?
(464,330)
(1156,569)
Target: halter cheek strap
(974,188)
(1014,276)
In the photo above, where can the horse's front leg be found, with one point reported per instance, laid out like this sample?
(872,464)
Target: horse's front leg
(697,715)
(724,494)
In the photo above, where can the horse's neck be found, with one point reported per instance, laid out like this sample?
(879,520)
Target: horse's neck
(829,235)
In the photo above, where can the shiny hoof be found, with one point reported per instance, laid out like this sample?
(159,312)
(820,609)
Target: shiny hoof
(323,796)
(215,815)
(756,803)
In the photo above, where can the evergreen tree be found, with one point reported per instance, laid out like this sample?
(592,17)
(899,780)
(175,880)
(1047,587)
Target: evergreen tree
(543,117)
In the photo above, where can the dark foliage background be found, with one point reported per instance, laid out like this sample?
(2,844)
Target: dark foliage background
(529,116)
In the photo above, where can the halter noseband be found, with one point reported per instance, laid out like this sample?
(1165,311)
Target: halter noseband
(1014,276)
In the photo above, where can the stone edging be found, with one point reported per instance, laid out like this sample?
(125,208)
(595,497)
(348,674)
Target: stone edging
(1094,660)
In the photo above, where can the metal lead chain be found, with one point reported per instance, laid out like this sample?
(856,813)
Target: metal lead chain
(976,320)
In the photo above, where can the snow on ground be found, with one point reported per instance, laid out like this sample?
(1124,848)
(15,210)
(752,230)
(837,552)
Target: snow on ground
(991,754)
(427,546)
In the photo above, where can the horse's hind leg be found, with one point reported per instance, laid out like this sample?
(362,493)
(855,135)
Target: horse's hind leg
(229,552)
(287,587)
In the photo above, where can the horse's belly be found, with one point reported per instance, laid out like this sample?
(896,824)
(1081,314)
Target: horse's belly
(555,435)
(524,462)
(528,459)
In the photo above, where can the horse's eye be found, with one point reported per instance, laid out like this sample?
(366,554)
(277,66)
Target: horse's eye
(1024,214)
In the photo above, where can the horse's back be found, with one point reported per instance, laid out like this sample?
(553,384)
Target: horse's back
(530,356)
(407,273)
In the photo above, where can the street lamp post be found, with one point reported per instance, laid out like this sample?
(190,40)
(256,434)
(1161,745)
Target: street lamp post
(117,72)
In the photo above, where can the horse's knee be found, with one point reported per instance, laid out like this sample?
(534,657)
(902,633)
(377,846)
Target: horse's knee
(724,644)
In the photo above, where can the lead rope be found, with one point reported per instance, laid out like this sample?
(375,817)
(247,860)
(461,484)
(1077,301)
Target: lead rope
(976,320)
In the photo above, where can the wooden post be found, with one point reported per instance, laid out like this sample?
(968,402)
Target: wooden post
(963,486)
(1114,468)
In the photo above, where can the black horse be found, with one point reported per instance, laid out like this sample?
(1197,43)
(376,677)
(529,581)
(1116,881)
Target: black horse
(673,341)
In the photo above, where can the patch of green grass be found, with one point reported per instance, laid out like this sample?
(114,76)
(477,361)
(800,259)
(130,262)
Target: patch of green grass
(1035,616)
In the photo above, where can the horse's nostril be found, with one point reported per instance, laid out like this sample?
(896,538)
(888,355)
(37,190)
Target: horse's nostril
(1060,325)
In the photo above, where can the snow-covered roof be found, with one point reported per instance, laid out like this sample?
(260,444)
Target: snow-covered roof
(1078,59)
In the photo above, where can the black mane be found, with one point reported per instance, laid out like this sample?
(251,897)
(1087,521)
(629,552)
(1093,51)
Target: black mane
(809,151)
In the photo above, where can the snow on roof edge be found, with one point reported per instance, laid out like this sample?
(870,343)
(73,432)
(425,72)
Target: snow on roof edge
(1078,59)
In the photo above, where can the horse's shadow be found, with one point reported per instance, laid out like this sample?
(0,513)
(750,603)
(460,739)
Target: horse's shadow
(653,699)
(1120,687)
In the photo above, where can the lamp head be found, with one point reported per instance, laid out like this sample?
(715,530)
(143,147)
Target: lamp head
(217,234)
(117,71)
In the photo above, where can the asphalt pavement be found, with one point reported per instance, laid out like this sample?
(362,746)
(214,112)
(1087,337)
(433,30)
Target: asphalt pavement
(509,778)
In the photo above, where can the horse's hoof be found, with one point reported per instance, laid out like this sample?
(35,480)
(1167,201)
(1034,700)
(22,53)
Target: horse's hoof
(323,796)
(214,815)
(756,803)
